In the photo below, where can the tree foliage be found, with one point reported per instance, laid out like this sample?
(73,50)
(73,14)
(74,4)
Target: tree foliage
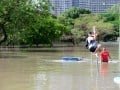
(115,9)
(85,24)
(67,18)
(112,16)
(75,12)
(28,22)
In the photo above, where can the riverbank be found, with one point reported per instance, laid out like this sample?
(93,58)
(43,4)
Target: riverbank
(68,44)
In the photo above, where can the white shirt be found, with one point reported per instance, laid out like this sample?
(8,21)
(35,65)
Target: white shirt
(90,39)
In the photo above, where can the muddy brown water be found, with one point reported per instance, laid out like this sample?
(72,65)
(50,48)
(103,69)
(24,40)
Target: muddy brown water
(43,69)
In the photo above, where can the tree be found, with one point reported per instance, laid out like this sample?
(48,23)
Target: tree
(28,22)
(44,31)
(85,24)
(114,9)
(14,15)
(112,16)
(67,18)
(69,15)
(74,12)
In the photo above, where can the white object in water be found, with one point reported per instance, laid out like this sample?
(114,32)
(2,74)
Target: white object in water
(117,80)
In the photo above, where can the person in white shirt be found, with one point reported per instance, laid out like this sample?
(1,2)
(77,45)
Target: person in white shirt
(91,43)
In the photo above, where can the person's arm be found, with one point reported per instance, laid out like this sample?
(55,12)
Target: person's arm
(95,34)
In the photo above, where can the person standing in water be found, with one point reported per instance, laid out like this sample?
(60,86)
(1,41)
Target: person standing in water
(105,55)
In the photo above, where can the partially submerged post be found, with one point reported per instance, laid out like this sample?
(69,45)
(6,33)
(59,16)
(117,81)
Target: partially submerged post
(119,47)
(119,33)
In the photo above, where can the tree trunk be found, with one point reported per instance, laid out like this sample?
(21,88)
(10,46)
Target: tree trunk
(3,37)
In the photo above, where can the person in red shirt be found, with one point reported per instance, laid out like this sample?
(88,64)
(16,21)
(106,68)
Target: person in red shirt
(105,55)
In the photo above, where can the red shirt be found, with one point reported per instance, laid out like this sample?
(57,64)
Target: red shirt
(104,56)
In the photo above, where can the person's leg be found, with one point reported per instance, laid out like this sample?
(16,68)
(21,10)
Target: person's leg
(97,50)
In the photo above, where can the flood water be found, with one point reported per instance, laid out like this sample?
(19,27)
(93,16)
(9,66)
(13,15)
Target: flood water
(42,69)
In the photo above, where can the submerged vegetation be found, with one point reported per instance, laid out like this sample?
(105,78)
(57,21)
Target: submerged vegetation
(23,22)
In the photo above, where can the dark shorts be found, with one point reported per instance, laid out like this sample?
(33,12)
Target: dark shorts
(92,46)
(104,60)
(92,49)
